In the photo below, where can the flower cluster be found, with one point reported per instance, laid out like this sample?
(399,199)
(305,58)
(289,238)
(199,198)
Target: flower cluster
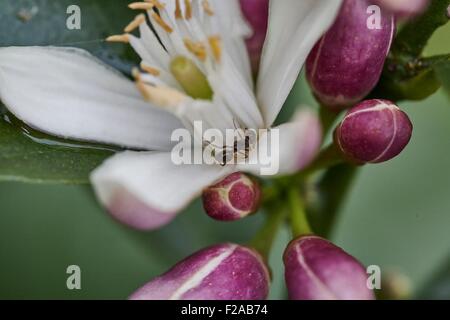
(231,65)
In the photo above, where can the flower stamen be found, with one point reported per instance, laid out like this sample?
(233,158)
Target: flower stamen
(178,13)
(196,48)
(161,22)
(188,10)
(151,70)
(135,23)
(215,42)
(124,38)
(160,96)
(141,6)
(158,5)
(207,7)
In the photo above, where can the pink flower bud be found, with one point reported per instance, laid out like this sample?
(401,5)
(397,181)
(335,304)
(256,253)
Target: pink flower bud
(234,198)
(404,8)
(374,131)
(346,64)
(221,272)
(257,14)
(316,269)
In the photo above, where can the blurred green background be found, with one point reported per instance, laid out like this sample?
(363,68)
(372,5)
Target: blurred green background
(398,216)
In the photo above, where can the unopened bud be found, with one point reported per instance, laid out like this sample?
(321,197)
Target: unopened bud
(234,198)
(404,8)
(221,272)
(346,64)
(257,14)
(374,131)
(316,269)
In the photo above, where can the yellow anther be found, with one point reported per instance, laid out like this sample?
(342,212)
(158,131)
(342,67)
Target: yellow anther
(207,7)
(151,70)
(216,46)
(159,95)
(141,6)
(188,9)
(119,38)
(178,13)
(140,19)
(196,48)
(161,22)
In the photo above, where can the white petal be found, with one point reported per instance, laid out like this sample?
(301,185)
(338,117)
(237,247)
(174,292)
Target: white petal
(239,97)
(294,28)
(69,93)
(145,189)
(234,29)
(291,150)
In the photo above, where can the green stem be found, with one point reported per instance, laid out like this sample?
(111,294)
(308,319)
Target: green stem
(265,237)
(270,194)
(299,221)
(414,36)
(327,118)
(407,75)
(334,188)
(328,157)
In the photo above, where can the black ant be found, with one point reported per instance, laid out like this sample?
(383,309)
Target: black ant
(237,150)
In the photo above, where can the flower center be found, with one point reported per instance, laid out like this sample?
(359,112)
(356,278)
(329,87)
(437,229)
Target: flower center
(191,78)
(178,47)
(194,65)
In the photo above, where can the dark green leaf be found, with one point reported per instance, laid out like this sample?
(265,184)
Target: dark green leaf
(49,161)
(442,70)
(415,80)
(43,22)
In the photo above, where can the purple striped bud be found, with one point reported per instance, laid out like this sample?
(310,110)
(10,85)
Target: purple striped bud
(233,198)
(346,64)
(404,8)
(316,269)
(221,272)
(374,131)
(257,14)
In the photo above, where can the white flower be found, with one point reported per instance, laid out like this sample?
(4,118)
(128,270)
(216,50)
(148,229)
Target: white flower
(68,93)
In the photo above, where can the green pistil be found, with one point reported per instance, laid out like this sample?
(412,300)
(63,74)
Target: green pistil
(190,77)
